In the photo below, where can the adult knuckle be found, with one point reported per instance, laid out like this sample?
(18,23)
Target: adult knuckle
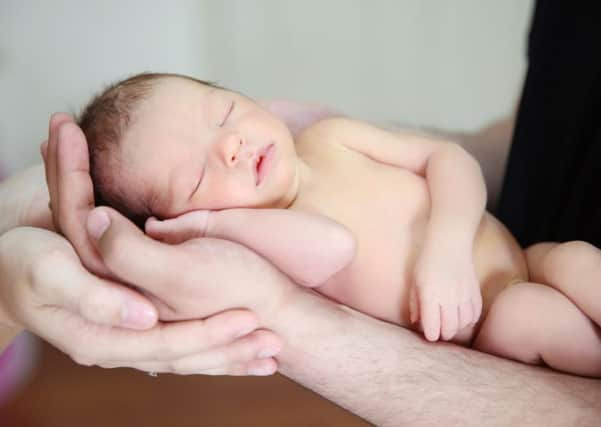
(96,309)
(45,266)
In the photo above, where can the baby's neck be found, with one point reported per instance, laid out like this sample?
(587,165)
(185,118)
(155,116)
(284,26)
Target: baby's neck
(302,177)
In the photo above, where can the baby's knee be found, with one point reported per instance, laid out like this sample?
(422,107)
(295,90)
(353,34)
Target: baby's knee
(514,324)
(516,305)
(570,258)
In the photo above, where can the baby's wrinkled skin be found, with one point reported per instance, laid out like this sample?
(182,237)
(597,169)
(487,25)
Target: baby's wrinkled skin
(391,225)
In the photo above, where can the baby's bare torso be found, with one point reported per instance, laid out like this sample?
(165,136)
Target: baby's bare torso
(387,209)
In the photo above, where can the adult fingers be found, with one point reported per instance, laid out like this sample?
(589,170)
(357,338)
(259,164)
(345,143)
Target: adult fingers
(58,280)
(50,159)
(134,257)
(232,359)
(44,150)
(96,345)
(76,193)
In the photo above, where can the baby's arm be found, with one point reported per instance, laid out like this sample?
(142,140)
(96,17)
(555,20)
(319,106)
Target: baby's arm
(309,248)
(446,288)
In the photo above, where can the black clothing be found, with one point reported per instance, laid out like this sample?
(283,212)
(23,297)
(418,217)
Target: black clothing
(552,187)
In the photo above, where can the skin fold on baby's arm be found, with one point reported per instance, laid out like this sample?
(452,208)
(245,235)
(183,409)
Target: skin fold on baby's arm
(308,248)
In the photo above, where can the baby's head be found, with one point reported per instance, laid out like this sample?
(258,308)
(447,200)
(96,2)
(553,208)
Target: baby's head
(164,144)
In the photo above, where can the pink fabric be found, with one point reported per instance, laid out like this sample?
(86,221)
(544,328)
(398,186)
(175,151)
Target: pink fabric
(16,365)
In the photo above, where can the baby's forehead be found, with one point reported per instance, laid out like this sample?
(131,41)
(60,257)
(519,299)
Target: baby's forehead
(179,87)
(177,98)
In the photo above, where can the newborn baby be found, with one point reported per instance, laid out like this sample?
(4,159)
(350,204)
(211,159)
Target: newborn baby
(390,224)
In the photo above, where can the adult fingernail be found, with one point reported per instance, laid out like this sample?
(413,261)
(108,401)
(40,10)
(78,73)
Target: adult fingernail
(137,316)
(261,371)
(98,222)
(268,352)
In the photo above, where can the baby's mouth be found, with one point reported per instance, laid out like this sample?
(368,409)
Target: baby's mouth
(263,163)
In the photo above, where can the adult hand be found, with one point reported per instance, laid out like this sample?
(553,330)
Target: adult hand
(71,193)
(195,278)
(44,288)
(67,165)
(24,200)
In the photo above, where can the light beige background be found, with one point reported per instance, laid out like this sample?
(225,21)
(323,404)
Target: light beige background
(453,65)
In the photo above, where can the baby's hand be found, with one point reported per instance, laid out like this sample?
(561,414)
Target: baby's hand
(177,230)
(445,295)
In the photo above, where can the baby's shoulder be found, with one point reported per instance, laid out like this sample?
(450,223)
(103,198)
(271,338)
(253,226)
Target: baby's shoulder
(330,131)
(329,127)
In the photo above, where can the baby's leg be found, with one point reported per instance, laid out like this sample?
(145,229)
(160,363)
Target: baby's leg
(536,324)
(573,268)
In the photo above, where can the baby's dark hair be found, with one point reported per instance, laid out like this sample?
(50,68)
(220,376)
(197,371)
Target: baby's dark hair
(104,121)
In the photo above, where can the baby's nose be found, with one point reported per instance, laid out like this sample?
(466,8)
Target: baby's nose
(232,149)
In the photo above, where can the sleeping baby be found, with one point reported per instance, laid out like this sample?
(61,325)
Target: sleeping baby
(391,224)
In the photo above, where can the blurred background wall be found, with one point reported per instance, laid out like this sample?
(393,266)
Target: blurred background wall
(452,65)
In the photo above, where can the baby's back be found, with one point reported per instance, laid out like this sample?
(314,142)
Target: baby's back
(387,208)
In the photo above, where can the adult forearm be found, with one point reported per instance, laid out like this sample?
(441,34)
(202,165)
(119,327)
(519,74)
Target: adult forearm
(390,376)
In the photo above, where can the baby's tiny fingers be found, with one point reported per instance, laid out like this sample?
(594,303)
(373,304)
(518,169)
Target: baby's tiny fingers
(449,322)
(466,314)
(477,306)
(430,315)
(413,306)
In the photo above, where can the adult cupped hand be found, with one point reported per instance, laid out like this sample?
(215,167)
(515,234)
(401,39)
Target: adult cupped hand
(217,349)
(195,278)
(45,289)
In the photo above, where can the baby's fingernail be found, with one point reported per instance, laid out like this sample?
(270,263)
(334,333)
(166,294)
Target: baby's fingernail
(137,316)
(97,223)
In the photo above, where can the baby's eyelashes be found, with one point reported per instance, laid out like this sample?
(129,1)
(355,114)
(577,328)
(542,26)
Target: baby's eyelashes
(228,113)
